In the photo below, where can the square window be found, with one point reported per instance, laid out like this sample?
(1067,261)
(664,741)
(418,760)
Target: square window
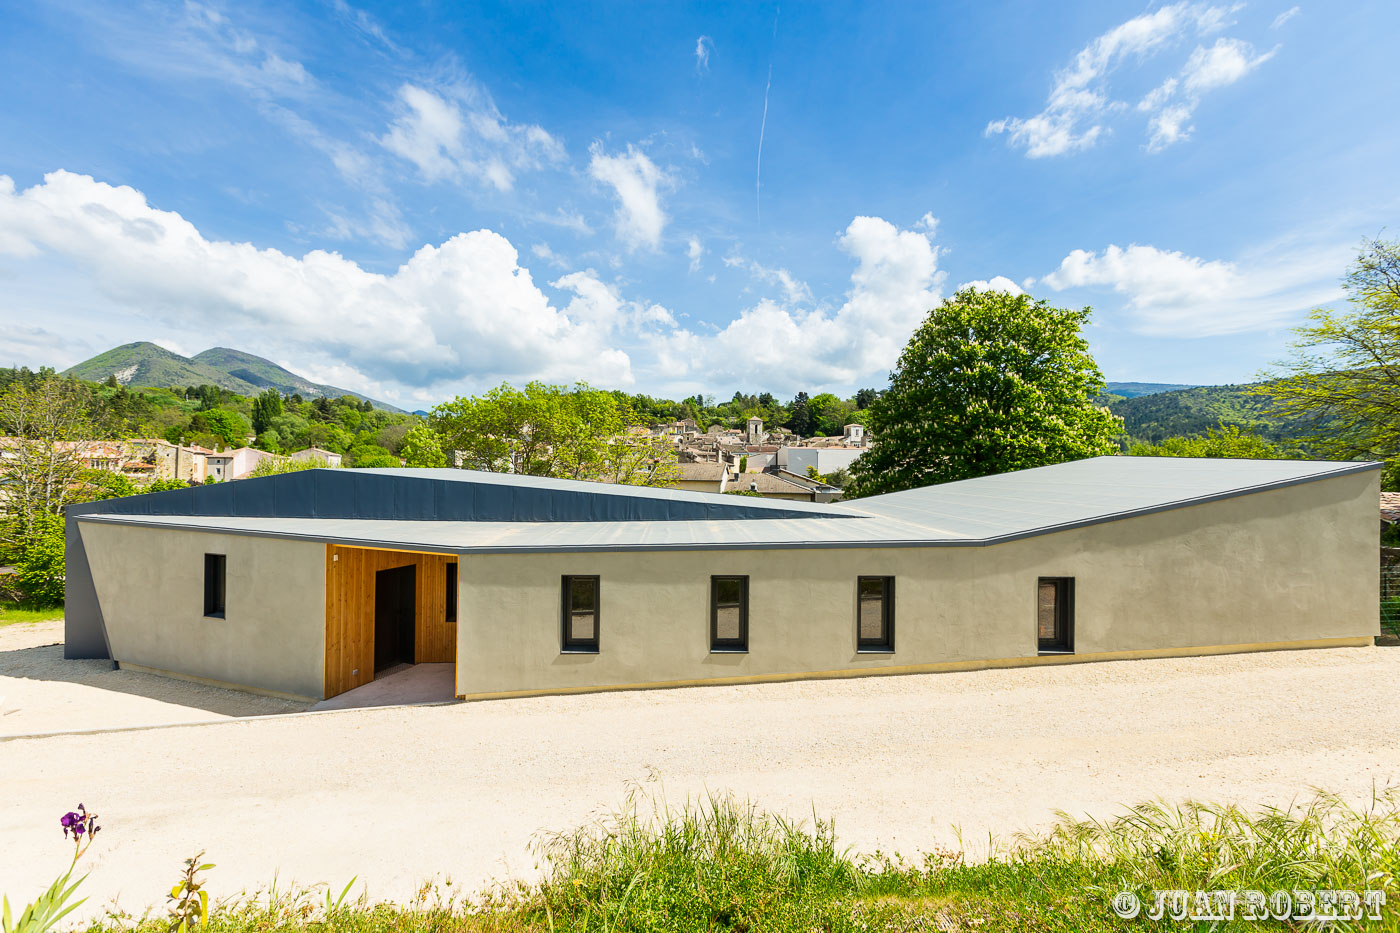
(215,571)
(875,614)
(729,613)
(581,614)
(1054,614)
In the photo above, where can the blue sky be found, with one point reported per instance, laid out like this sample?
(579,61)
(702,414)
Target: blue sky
(416,200)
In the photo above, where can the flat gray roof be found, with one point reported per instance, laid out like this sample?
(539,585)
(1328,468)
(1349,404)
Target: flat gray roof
(971,512)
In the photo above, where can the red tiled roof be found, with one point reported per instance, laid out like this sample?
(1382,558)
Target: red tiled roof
(1390,506)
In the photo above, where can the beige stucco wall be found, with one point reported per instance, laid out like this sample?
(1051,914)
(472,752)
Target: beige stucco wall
(150,584)
(697,485)
(1297,564)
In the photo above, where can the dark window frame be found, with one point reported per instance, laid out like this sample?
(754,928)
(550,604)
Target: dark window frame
(884,644)
(738,645)
(569,644)
(450,597)
(1064,610)
(215,585)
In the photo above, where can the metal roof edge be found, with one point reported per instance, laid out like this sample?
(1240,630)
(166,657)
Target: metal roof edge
(1185,503)
(108,518)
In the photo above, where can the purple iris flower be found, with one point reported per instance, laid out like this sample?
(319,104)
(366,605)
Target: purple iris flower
(79,822)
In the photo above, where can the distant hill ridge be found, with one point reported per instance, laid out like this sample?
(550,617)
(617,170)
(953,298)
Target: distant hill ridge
(1193,411)
(1137,389)
(146,365)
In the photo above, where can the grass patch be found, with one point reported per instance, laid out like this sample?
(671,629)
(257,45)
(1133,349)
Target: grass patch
(12,612)
(719,864)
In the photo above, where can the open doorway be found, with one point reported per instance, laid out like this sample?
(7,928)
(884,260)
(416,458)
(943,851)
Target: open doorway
(387,611)
(395,613)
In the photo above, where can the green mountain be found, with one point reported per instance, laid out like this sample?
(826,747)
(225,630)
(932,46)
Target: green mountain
(1135,389)
(1193,411)
(145,365)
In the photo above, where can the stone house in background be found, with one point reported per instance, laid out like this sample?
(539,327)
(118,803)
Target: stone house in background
(317,453)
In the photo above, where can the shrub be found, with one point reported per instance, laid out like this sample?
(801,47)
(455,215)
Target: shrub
(39,566)
(271,466)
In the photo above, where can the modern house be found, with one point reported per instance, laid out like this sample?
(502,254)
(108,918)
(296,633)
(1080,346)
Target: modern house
(824,459)
(236,464)
(308,583)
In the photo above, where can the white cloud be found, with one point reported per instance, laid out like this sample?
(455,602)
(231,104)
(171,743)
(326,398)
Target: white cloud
(1172,294)
(694,249)
(365,25)
(637,182)
(600,304)
(384,224)
(458,316)
(703,46)
(895,283)
(191,43)
(462,311)
(569,220)
(459,134)
(205,42)
(794,290)
(26,344)
(1169,125)
(1284,17)
(543,251)
(1222,64)
(1077,112)
(1158,96)
(997,283)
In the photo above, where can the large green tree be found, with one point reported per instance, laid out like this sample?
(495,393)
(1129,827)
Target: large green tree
(1343,377)
(422,448)
(229,427)
(800,419)
(42,424)
(266,408)
(990,382)
(573,432)
(41,427)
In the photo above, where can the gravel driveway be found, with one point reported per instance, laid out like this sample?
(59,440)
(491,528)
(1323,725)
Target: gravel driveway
(41,692)
(400,796)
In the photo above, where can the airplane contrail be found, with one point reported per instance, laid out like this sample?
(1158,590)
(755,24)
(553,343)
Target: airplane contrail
(763,125)
(758,174)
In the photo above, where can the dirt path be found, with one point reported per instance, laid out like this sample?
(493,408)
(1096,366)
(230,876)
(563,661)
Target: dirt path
(398,796)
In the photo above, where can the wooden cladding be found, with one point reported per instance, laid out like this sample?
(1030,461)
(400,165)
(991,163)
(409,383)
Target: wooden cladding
(350,611)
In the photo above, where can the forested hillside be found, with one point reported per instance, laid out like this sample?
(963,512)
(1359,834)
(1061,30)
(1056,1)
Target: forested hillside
(1192,412)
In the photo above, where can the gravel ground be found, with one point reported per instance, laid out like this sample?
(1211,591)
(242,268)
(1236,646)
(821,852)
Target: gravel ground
(400,796)
(41,692)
